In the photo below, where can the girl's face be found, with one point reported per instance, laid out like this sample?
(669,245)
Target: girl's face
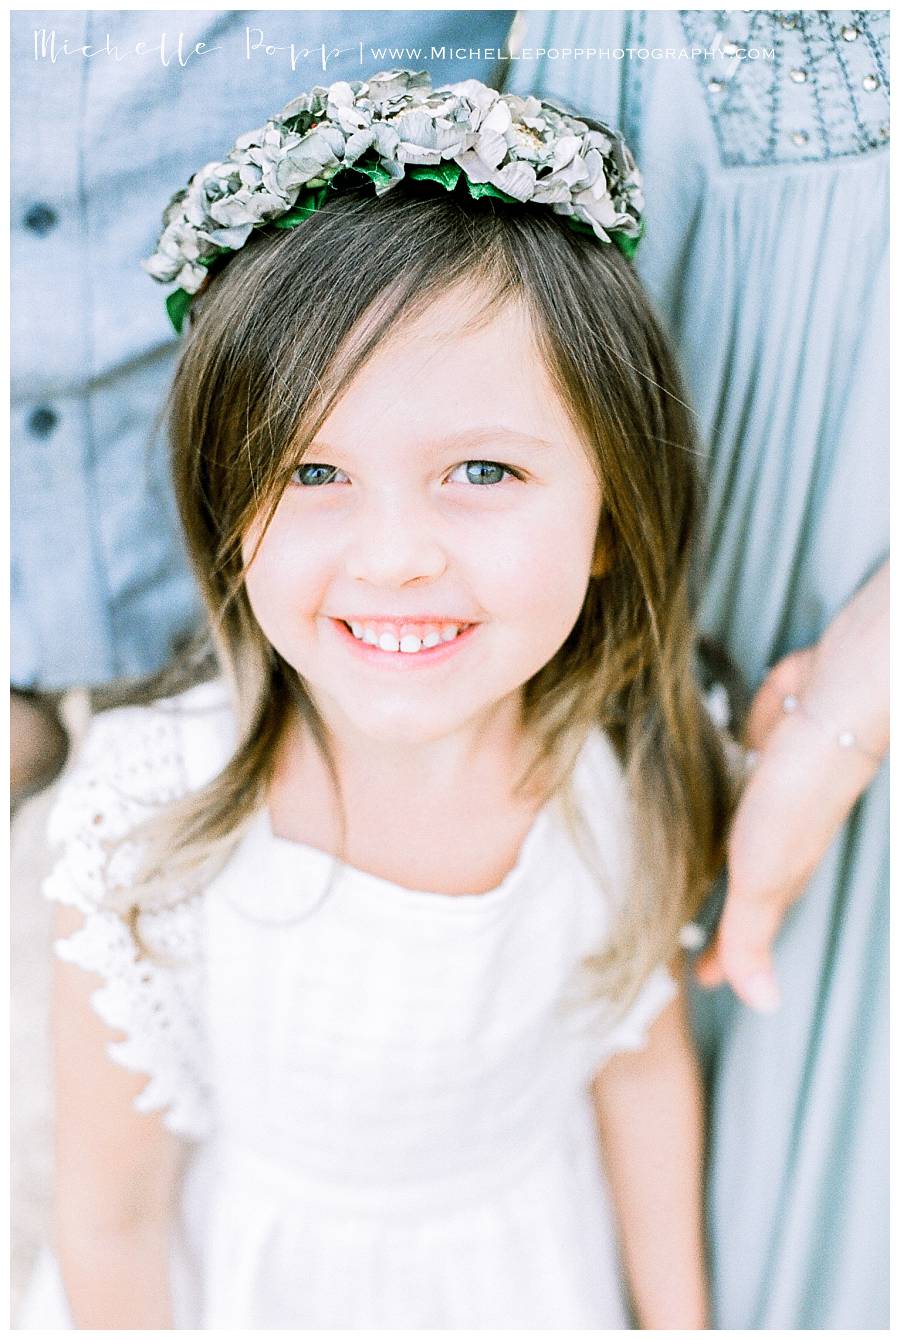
(432,551)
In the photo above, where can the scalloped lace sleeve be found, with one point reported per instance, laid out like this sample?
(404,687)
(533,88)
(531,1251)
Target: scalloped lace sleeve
(599,1039)
(129,765)
(630,1033)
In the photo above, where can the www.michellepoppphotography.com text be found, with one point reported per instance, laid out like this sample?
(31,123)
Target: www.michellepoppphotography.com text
(174,49)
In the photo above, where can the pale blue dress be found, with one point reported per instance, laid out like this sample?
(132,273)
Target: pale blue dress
(766,253)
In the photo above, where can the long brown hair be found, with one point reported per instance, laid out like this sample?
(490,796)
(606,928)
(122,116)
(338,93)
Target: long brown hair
(277,338)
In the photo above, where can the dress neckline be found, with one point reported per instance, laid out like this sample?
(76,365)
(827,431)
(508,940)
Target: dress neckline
(290,855)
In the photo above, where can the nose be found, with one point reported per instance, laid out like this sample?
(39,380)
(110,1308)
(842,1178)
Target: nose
(393,543)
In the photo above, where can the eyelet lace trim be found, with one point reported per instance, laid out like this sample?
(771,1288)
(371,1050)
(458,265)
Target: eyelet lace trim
(129,766)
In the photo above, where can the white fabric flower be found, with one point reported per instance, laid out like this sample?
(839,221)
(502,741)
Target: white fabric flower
(525,148)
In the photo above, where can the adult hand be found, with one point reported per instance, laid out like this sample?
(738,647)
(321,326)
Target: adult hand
(802,787)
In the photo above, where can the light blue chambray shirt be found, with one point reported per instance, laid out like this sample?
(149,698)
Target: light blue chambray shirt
(100,141)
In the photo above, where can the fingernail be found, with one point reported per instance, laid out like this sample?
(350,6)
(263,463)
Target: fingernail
(751,758)
(761,991)
(705,983)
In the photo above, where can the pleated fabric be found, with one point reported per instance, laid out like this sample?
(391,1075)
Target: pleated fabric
(766,256)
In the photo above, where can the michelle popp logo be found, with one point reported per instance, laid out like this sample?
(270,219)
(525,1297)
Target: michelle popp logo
(176,49)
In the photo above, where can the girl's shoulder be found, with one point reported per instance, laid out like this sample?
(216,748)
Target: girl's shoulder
(598,766)
(598,779)
(136,758)
(131,763)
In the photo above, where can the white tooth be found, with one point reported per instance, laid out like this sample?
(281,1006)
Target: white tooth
(431,639)
(388,642)
(370,636)
(410,643)
(449,633)
(356,629)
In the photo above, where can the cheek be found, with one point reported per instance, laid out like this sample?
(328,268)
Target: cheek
(553,544)
(540,569)
(282,583)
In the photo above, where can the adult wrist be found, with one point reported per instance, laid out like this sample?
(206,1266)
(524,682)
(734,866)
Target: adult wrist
(848,688)
(863,738)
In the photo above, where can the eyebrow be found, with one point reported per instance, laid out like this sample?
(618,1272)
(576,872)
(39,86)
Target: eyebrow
(474,437)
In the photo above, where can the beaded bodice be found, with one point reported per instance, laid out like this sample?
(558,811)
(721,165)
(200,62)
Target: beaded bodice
(787,86)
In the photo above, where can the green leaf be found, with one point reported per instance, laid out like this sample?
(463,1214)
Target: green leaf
(446,174)
(579,226)
(477,189)
(304,206)
(208,261)
(178,305)
(374,171)
(628,245)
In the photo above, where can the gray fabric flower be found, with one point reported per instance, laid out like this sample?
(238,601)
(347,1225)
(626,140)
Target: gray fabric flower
(522,148)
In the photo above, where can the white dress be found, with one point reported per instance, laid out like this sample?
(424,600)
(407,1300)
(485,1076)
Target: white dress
(385,1092)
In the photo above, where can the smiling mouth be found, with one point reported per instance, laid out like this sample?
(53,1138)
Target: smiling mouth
(407,636)
(404,640)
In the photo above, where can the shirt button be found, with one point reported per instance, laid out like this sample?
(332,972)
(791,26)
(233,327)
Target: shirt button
(41,219)
(42,421)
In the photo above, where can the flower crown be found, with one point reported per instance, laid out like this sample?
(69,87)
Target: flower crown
(391,127)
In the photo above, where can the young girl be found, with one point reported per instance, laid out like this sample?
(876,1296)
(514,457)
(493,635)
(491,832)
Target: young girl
(384,910)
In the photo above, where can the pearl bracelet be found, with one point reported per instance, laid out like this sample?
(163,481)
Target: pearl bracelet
(692,936)
(790,703)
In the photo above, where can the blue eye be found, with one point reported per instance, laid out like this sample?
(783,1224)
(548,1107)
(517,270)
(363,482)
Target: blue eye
(313,474)
(484,472)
